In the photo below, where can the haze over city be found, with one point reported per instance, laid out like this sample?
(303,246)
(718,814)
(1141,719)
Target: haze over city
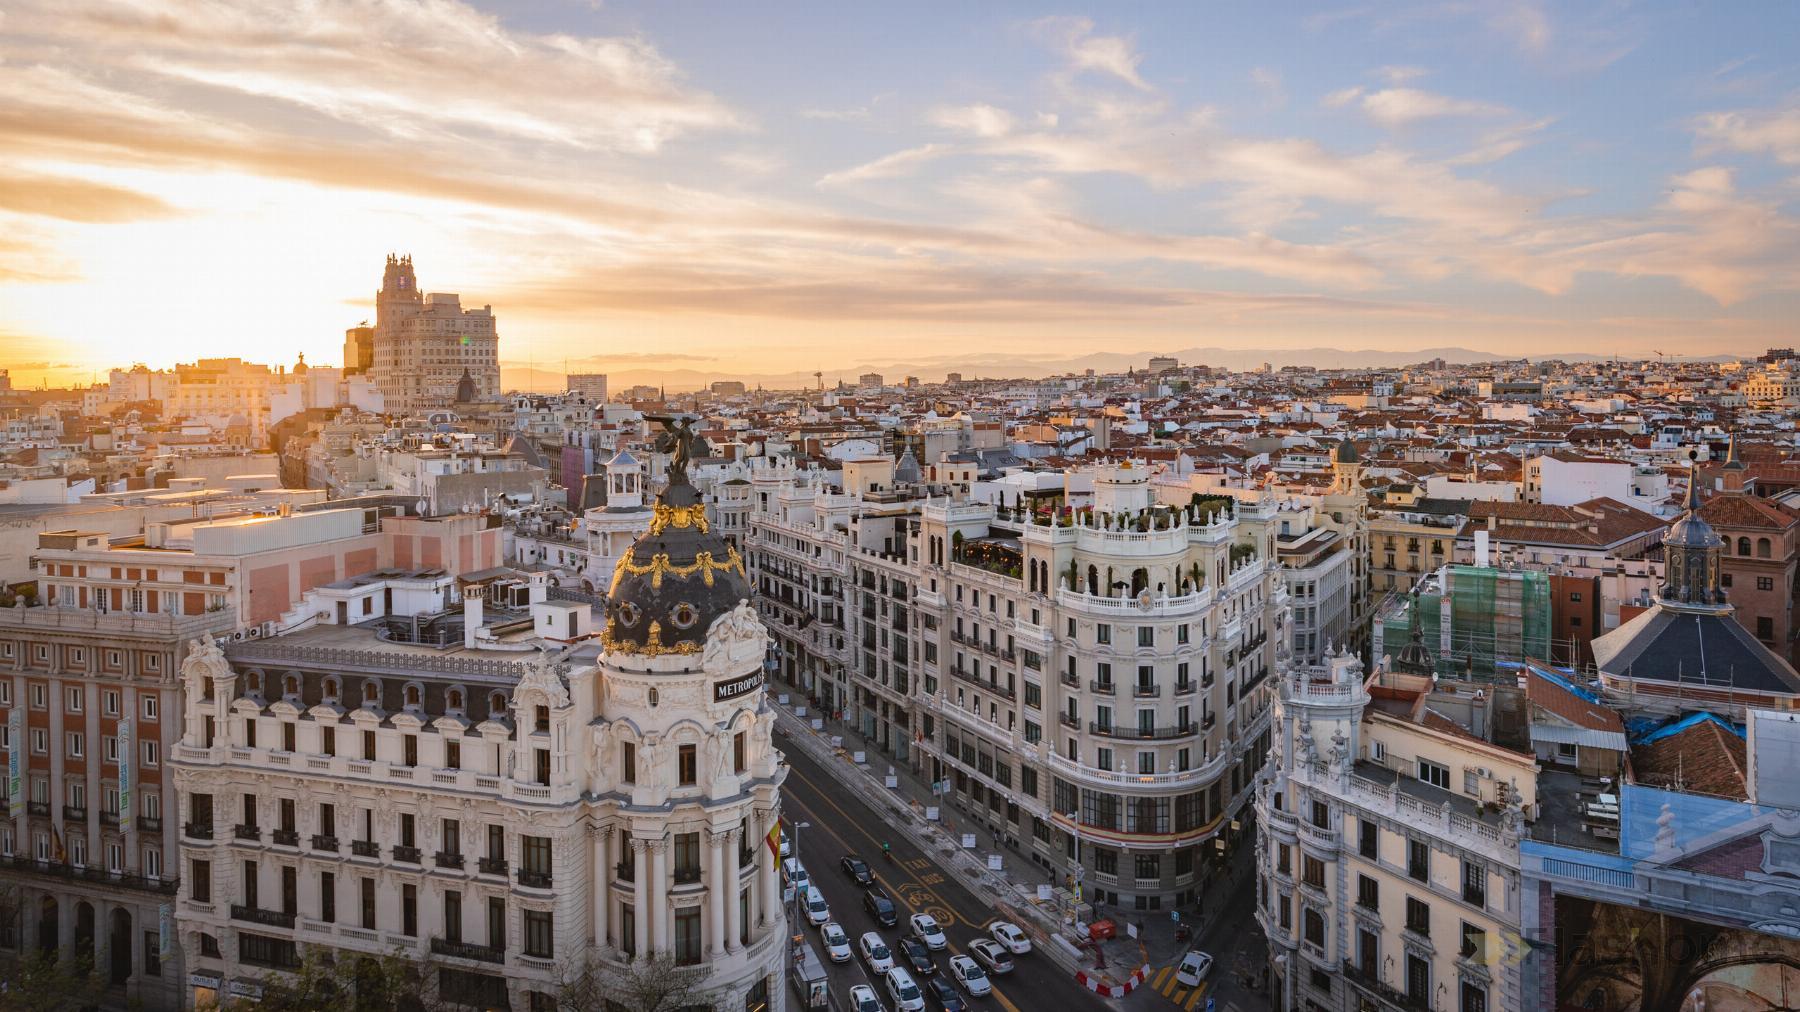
(698,192)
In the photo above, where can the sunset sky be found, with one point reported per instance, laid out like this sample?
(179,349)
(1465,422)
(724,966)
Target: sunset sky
(753,187)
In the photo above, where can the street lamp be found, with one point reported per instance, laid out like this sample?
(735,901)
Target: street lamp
(794,855)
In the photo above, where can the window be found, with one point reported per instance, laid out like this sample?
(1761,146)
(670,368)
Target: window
(496,923)
(1418,860)
(1471,783)
(327,897)
(687,765)
(496,843)
(1368,893)
(1418,978)
(409,910)
(409,750)
(687,858)
(1149,866)
(408,830)
(538,942)
(1106,862)
(1474,884)
(40,741)
(368,903)
(152,954)
(109,703)
(452,836)
(542,719)
(452,915)
(1418,917)
(1565,750)
(152,753)
(1474,997)
(368,745)
(200,881)
(452,754)
(287,736)
(109,748)
(1474,943)
(77,743)
(687,936)
(1312,871)
(739,750)
(1765,628)
(1146,636)
(1368,952)
(542,757)
(74,698)
(536,854)
(290,890)
(250,884)
(1103,633)
(1321,815)
(1435,774)
(627,763)
(1765,583)
(39,694)
(1314,924)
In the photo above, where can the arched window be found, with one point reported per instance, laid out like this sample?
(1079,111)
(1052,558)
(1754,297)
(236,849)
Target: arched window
(255,682)
(371,692)
(331,687)
(1763,548)
(412,695)
(454,699)
(1743,546)
(497,704)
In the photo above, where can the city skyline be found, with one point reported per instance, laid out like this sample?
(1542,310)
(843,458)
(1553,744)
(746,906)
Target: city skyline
(722,192)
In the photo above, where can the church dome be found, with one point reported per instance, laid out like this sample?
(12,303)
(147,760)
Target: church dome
(1346,452)
(673,582)
(465,388)
(300,367)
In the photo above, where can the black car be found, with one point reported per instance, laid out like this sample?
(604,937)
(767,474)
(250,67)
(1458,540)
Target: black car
(913,953)
(948,997)
(858,871)
(881,908)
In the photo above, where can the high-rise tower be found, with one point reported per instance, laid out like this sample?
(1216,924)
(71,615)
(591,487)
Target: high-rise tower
(426,343)
(399,295)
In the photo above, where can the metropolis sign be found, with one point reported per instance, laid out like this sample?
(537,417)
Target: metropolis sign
(736,687)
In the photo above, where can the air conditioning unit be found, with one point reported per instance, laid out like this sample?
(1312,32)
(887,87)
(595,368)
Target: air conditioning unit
(1484,773)
(238,636)
(253,632)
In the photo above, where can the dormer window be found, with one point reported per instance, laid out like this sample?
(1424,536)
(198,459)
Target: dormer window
(255,681)
(331,688)
(293,686)
(497,704)
(412,697)
(371,693)
(453,700)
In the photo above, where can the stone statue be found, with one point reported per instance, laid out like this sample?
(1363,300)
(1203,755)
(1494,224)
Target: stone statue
(1512,818)
(718,758)
(1339,752)
(204,660)
(544,673)
(679,441)
(735,640)
(1308,755)
(760,731)
(649,770)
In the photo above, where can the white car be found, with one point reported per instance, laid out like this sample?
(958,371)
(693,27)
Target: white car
(925,929)
(906,994)
(970,976)
(1194,968)
(862,999)
(817,913)
(837,944)
(875,952)
(1008,934)
(992,956)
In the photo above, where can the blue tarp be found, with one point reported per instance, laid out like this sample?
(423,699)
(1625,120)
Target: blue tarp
(1643,731)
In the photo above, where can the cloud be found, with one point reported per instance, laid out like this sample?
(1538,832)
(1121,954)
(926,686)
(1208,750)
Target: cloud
(74,199)
(981,120)
(1773,132)
(1074,38)
(405,70)
(1400,73)
(887,166)
(1401,107)
(1341,97)
(1526,23)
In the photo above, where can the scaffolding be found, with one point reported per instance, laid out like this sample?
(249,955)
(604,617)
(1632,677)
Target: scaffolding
(1480,623)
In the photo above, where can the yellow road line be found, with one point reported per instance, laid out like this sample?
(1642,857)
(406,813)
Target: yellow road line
(893,893)
(1198,993)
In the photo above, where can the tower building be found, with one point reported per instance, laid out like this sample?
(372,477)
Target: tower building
(424,344)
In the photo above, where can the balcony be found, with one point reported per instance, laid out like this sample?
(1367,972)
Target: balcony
(687,876)
(1146,691)
(1072,681)
(365,848)
(534,879)
(1371,984)
(467,950)
(1207,722)
(108,818)
(285,838)
(445,859)
(268,918)
(38,808)
(243,832)
(407,855)
(491,866)
(1069,720)
(1141,733)
(197,830)
(149,823)
(325,843)
(74,813)
(1103,688)
(1186,688)
(164,886)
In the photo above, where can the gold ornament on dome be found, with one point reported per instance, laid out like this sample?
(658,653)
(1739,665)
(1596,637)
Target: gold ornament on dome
(665,516)
(659,566)
(652,647)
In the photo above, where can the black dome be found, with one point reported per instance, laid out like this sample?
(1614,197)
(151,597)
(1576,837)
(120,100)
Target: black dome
(465,388)
(674,581)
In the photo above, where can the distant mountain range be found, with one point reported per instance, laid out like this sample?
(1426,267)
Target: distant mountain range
(990,366)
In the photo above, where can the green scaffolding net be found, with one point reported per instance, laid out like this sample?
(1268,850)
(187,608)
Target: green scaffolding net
(1478,622)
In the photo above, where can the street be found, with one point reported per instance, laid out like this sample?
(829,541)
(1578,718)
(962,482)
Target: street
(842,823)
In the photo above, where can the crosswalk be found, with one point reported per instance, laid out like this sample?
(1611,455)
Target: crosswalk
(1189,999)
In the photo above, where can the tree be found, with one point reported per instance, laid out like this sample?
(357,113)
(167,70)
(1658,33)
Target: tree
(40,982)
(655,984)
(352,982)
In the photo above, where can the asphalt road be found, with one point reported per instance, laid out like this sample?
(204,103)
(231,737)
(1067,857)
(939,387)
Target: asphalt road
(842,823)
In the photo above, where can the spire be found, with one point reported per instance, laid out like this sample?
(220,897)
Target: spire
(1732,463)
(1692,503)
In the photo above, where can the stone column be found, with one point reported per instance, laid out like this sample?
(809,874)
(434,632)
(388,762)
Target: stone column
(717,889)
(769,903)
(659,894)
(734,926)
(641,898)
(602,885)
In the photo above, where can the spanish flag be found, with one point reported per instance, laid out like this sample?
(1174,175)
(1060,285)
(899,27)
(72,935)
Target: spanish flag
(775,839)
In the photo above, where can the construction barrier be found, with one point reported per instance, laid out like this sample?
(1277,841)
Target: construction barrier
(1106,989)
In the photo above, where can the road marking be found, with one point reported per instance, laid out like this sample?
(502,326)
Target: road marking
(1198,992)
(892,891)
(1161,976)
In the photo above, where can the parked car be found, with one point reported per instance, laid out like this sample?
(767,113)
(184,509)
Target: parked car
(837,944)
(925,929)
(817,913)
(1194,968)
(875,952)
(945,994)
(1008,934)
(862,999)
(914,954)
(858,871)
(970,977)
(881,908)
(793,877)
(906,994)
(991,955)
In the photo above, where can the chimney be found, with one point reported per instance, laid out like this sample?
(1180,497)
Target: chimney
(540,588)
(472,609)
(1481,546)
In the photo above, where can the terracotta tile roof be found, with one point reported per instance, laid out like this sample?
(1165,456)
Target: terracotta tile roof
(1565,704)
(1705,759)
(1745,511)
